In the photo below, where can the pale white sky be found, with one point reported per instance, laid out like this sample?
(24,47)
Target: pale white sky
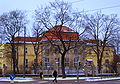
(30,5)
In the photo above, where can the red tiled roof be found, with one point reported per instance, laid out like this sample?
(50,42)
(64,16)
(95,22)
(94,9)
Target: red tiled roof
(65,32)
(63,35)
(61,28)
(61,31)
(27,39)
(90,41)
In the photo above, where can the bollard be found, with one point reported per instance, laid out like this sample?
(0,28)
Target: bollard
(12,81)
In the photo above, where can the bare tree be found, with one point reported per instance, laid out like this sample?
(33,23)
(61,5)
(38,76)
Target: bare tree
(12,22)
(54,18)
(103,29)
(116,42)
(37,33)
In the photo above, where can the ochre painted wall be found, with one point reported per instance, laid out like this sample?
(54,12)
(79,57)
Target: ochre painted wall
(83,53)
(107,55)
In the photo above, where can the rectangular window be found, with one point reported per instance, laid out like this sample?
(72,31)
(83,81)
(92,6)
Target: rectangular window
(58,61)
(107,52)
(90,51)
(46,49)
(66,61)
(75,51)
(76,60)
(47,64)
(56,50)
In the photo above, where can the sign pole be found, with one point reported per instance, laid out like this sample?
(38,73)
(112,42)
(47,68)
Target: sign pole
(24,59)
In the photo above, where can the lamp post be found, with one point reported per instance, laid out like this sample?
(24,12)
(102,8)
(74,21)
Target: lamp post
(24,59)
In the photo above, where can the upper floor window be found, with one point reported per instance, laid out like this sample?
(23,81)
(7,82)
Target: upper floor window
(46,49)
(76,58)
(66,61)
(107,52)
(75,51)
(90,51)
(56,50)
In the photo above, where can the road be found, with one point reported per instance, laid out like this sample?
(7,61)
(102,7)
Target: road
(37,81)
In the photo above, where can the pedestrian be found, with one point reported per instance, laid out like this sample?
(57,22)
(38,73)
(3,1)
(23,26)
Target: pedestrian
(55,75)
(41,75)
(4,70)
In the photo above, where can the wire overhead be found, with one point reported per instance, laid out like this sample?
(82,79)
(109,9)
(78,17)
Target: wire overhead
(115,6)
(77,1)
(103,8)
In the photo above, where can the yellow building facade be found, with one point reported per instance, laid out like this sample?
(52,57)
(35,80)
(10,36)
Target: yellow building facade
(49,58)
(1,57)
(107,59)
(53,58)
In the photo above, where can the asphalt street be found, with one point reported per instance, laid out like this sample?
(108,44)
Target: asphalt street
(38,81)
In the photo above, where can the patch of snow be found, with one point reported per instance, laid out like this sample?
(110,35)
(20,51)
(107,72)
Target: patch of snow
(43,82)
(102,79)
(89,59)
(17,79)
(29,79)
(86,78)
(69,78)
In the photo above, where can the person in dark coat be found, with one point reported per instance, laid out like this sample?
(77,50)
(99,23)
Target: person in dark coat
(55,75)
(41,75)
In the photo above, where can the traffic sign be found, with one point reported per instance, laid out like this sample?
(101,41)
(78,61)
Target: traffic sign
(41,59)
(12,76)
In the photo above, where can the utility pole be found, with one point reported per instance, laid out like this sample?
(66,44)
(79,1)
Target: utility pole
(24,59)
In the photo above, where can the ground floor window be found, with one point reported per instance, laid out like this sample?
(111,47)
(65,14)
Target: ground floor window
(76,60)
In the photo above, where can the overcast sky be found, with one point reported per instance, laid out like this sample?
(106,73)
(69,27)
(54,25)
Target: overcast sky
(108,6)
(30,5)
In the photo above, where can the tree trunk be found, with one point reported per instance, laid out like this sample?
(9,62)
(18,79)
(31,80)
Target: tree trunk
(36,63)
(17,66)
(13,58)
(63,65)
(13,55)
(17,59)
(100,59)
(99,67)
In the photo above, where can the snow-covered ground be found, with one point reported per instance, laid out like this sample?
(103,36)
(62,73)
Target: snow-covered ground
(17,79)
(29,79)
(86,78)
(102,79)
(70,78)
